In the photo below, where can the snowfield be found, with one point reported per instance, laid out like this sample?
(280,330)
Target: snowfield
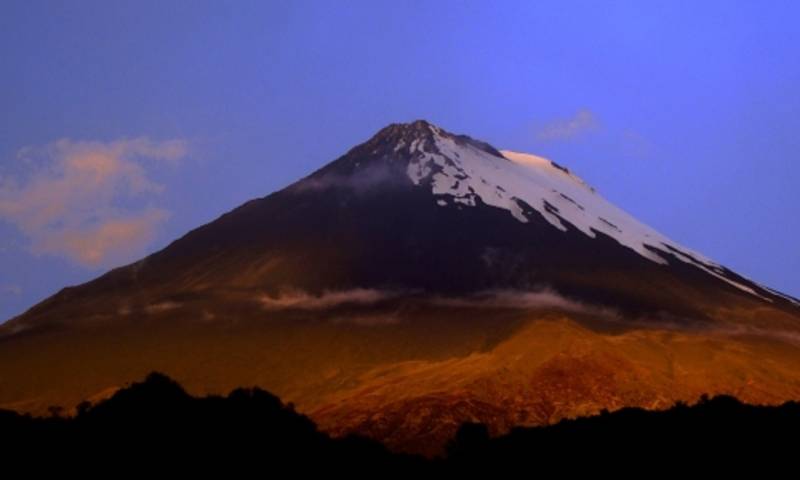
(460,174)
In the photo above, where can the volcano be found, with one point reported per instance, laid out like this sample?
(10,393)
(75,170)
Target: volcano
(421,280)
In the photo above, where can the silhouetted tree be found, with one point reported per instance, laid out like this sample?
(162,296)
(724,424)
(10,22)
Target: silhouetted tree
(469,439)
(156,423)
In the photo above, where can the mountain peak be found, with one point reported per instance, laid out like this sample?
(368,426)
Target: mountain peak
(419,127)
(405,134)
(419,134)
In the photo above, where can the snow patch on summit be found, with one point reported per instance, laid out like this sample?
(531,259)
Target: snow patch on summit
(520,182)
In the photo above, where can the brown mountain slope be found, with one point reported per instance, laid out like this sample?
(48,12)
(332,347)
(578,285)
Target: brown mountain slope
(555,368)
(408,374)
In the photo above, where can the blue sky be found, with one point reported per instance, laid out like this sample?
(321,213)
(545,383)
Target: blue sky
(125,124)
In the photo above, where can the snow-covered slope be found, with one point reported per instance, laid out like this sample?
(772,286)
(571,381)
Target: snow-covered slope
(460,173)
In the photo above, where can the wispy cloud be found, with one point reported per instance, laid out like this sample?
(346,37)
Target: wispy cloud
(9,289)
(582,122)
(361,181)
(329,299)
(517,299)
(77,198)
(635,145)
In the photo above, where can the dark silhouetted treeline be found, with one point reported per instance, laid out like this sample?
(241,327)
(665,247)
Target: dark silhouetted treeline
(155,425)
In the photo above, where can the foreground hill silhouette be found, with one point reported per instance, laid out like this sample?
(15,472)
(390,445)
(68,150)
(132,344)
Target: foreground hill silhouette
(155,422)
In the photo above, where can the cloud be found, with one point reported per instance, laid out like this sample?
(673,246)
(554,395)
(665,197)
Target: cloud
(14,290)
(582,122)
(161,307)
(515,299)
(521,299)
(328,299)
(635,145)
(83,200)
(110,238)
(360,181)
